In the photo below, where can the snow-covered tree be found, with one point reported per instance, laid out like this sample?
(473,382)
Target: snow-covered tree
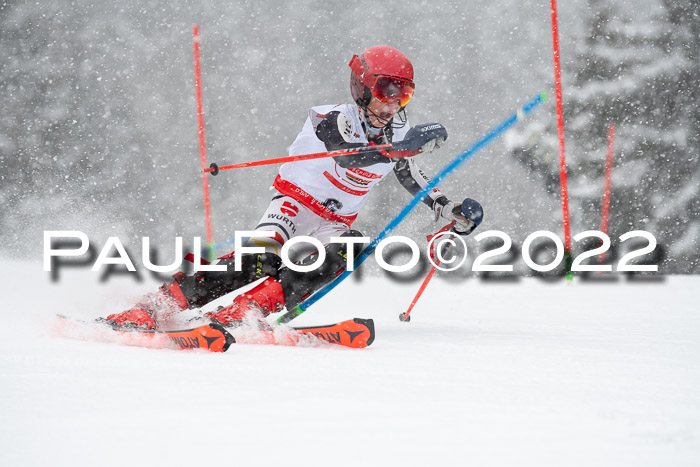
(67,117)
(642,74)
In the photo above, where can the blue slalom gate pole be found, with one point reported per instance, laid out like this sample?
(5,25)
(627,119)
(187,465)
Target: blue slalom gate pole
(451,167)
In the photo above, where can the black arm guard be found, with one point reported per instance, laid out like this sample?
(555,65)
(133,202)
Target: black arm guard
(329,132)
(409,180)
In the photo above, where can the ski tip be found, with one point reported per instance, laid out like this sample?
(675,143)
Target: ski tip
(229,339)
(369,324)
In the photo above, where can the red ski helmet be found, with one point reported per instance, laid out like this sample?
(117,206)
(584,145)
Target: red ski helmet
(383,72)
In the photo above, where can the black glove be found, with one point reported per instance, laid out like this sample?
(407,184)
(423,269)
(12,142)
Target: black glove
(425,137)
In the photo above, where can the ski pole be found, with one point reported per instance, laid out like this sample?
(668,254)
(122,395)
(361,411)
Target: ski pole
(214,169)
(472,211)
(451,167)
(405,316)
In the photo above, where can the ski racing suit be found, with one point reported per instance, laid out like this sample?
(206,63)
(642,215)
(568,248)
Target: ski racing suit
(321,198)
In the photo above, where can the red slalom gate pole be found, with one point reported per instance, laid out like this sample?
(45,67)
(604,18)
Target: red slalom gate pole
(202,145)
(560,129)
(605,212)
(406,316)
(214,169)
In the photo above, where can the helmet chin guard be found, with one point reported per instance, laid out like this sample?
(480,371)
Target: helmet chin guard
(401,114)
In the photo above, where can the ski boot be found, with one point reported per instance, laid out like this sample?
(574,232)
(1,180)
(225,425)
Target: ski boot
(288,289)
(252,306)
(166,301)
(195,291)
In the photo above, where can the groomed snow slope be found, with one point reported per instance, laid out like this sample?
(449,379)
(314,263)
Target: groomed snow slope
(525,373)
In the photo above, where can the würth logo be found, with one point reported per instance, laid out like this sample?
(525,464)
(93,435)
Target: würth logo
(289,210)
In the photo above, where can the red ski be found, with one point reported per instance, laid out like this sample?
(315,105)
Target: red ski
(356,333)
(212,337)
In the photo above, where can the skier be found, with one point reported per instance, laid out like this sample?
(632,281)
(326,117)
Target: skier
(319,198)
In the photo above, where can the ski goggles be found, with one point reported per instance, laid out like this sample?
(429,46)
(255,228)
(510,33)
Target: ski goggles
(388,89)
